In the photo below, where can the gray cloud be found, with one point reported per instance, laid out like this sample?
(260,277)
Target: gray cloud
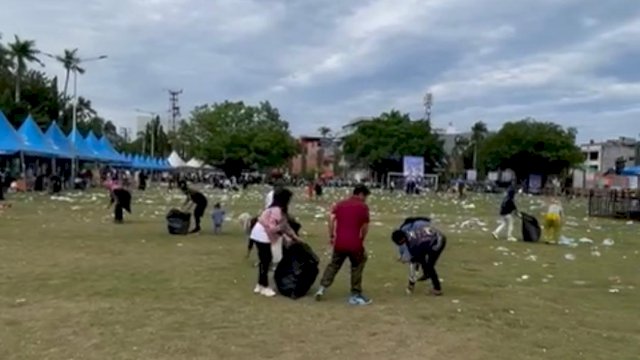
(327,62)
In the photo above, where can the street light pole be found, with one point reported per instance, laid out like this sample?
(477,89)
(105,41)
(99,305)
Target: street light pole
(74,115)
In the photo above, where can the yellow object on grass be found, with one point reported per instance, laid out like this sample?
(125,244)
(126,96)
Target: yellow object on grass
(552,227)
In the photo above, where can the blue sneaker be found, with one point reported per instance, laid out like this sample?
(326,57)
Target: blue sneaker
(359,300)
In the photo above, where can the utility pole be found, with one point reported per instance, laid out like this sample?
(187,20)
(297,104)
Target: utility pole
(174,107)
(428,103)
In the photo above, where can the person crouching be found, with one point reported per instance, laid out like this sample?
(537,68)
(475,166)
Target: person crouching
(121,198)
(420,245)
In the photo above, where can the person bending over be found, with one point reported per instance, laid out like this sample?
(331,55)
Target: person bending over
(121,198)
(420,245)
(197,199)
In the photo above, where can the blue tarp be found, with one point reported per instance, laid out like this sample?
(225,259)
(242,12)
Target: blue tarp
(94,144)
(35,143)
(56,135)
(108,149)
(83,151)
(147,163)
(10,141)
(631,171)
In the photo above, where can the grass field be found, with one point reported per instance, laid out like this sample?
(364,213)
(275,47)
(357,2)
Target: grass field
(75,286)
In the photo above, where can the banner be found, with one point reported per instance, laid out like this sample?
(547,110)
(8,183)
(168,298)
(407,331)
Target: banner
(413,166)
(535,183)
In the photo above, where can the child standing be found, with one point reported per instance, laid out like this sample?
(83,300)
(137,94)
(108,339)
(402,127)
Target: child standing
(218,218)
(553,221)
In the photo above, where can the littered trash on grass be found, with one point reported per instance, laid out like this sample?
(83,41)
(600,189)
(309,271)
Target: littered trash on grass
(567,241)
(585,240)
(62,198)
(569,257)
(608,242)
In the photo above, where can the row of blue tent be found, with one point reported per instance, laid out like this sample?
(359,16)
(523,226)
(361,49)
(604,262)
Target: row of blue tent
(31,141)
(631,171)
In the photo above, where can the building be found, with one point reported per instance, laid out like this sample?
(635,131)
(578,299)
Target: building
(317,157)
(141,123)
(602,156)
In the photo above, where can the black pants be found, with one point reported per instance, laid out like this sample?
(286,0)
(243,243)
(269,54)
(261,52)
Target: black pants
(198,213)
(428,265)
(118,213)
(265,257)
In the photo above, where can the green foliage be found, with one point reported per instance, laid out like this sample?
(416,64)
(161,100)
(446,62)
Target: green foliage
(235,136)
(381,142)
(531,147)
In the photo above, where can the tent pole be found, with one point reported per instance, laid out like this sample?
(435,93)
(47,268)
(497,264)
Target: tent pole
(23,166)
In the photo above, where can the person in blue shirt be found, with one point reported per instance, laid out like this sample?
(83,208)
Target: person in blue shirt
(217,216)
(420,245)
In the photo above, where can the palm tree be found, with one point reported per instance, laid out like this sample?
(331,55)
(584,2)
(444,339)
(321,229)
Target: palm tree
(71,62)
(479,133)
(22,52)
(5,62)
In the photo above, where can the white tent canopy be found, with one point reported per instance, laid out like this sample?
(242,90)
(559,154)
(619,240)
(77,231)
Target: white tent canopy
(175,161)
(195,163)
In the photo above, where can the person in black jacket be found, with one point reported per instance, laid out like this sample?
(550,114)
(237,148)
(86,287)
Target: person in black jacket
(194,198)
(121,198)
(421,245)
(507,210)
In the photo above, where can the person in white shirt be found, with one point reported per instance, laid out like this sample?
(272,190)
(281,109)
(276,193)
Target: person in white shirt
(269,198)
(272,224)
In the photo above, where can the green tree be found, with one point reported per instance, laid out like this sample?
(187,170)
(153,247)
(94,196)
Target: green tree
(22,52)
(5,60)
(531,147)
(71,62)
(235,136)
(479,134)
(381,142)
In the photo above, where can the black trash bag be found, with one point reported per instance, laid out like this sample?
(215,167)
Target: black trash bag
(531,231)
(123,197)
(178,222)
(297,271)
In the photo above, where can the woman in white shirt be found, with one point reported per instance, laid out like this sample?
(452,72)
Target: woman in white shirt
(272,224)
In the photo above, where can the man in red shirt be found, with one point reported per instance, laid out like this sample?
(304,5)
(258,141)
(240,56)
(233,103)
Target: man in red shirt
(348,228)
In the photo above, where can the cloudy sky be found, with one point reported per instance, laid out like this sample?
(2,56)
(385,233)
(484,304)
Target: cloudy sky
(326,62)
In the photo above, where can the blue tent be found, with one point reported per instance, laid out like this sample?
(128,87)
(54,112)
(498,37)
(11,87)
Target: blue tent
(631,171)
(108,149)
(136,162)
(35,143)
(83,151)
(10,141)
(94,144)
(56,136)
(146,162)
